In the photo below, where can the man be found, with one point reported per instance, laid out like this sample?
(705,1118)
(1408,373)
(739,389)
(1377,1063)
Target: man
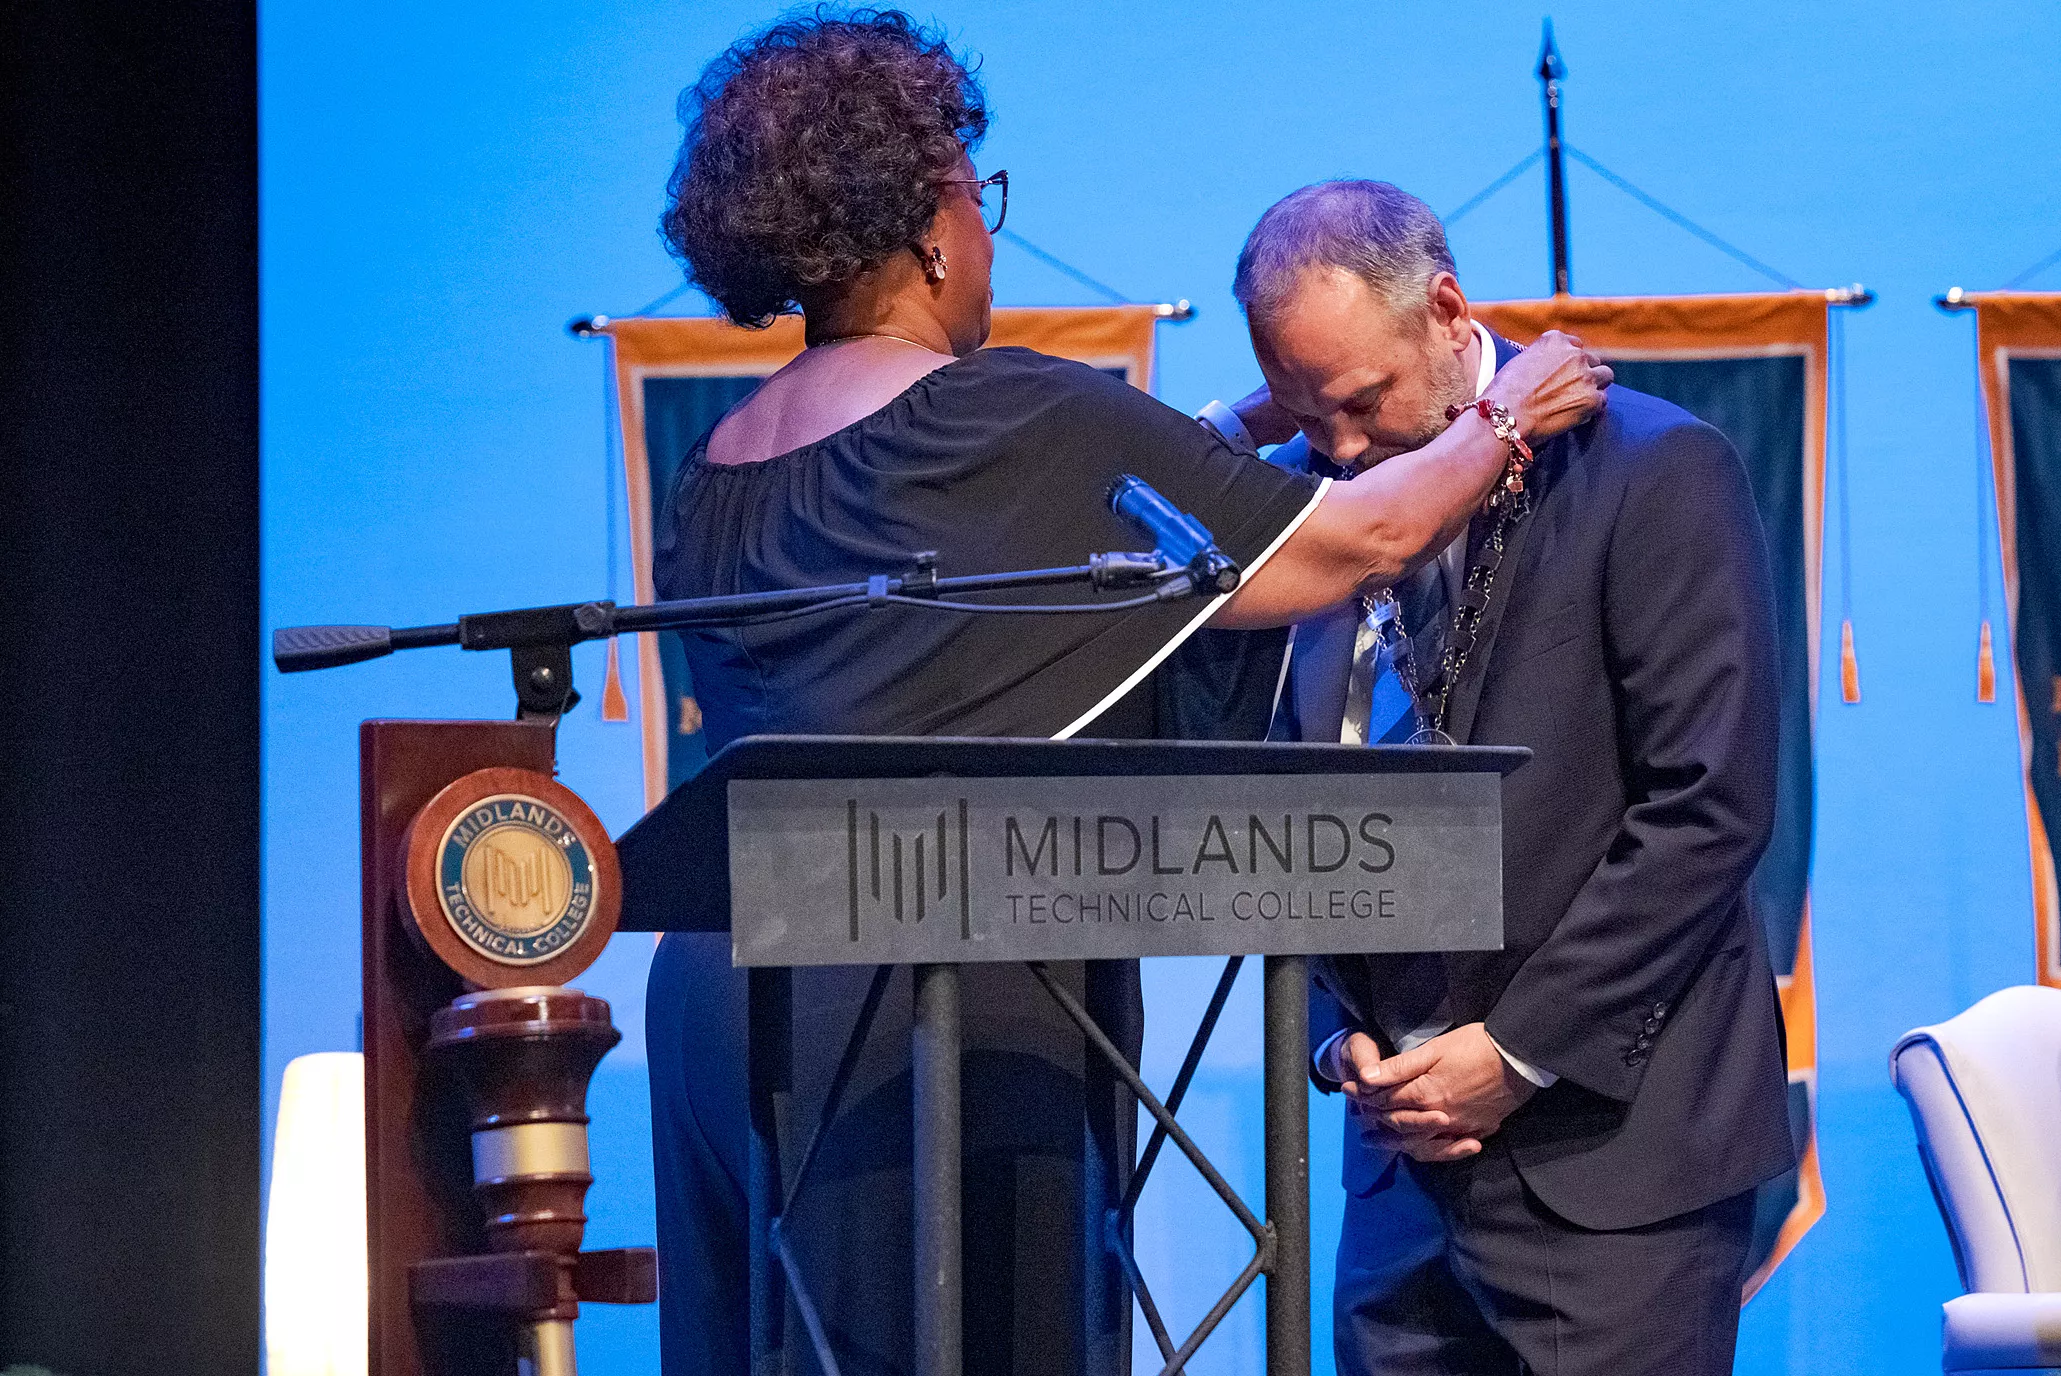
(1552,1149)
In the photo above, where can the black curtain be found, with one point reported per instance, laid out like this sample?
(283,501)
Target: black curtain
(129,941)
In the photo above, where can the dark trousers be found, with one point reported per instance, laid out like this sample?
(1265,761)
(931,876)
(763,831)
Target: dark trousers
(1459,1270)
(1042,1122)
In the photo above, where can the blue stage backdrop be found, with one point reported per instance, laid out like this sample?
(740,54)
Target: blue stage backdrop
(444,186)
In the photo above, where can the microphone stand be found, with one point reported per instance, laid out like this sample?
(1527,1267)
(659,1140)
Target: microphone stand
(540,639)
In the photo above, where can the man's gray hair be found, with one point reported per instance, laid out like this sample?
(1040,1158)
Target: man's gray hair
(1380,233)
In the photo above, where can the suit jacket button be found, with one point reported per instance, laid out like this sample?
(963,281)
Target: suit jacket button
(1659,1010)
(1634,1058)
(1652,1025)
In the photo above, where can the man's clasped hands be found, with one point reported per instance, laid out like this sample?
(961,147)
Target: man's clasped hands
(1435,1102)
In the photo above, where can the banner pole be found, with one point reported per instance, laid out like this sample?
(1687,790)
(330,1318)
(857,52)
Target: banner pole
(1551,72)
(934,1044)
(769,1056)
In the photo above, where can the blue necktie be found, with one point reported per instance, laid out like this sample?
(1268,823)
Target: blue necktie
(1391,716)
(1427,614)
(1388,716)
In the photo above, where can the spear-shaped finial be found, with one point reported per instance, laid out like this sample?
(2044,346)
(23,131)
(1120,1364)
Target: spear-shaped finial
(1551,71)
(1551,68)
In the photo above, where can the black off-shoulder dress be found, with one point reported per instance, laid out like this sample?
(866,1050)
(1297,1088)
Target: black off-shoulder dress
(999,461)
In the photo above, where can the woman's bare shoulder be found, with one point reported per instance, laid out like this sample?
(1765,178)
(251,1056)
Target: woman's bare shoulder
(813,398)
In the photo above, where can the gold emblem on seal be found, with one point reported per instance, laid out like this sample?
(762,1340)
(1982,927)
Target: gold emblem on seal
(511,878)
(517,879)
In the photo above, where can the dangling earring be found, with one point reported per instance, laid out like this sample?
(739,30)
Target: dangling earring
(934,264)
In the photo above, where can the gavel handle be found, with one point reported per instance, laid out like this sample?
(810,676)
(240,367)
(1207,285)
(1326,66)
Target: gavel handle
(617,1275)
(535,1283)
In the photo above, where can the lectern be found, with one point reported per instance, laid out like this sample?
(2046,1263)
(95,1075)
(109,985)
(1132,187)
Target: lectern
(933,853)
(487,887)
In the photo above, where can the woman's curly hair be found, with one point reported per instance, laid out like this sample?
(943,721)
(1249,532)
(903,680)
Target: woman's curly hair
(813,152)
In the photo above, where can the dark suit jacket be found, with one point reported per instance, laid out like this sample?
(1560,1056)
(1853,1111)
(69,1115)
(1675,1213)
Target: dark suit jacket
(1629,643)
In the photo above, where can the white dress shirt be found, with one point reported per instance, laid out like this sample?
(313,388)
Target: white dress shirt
(1453,567)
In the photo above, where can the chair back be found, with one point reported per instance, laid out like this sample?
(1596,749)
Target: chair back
(1984,1090)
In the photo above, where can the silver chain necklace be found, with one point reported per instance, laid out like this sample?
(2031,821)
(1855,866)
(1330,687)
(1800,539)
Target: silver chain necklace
(870,334)
(1430,703)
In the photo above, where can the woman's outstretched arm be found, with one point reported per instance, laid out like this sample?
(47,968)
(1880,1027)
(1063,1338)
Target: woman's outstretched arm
(1369,532)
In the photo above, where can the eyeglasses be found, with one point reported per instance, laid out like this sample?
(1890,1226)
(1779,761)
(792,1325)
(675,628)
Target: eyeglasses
(993,209)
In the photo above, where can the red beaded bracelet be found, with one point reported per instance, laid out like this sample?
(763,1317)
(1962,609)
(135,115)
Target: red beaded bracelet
(1500,420)
(1505,427)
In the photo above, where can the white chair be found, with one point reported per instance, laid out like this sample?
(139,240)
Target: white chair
(1985,1095)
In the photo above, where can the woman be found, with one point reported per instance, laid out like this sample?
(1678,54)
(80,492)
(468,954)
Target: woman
(826,168)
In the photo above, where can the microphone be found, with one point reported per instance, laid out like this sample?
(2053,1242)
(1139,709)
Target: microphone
(1179,537)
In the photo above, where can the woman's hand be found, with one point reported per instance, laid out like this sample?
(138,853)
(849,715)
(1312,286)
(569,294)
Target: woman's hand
(1552,386)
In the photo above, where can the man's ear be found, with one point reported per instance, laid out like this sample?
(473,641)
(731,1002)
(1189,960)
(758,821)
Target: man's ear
(1452,320)
(1263,352)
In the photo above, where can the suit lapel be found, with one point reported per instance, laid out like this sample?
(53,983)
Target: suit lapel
(1467,692)
(1321,668)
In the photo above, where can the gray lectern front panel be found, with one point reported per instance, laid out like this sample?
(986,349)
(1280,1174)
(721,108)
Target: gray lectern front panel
(915,871)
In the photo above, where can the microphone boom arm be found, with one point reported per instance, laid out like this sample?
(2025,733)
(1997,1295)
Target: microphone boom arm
(540,639)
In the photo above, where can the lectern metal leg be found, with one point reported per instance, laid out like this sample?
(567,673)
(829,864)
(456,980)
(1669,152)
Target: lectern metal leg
(770,1070)
(1287,1017)
(1110,1147)
(934,1046)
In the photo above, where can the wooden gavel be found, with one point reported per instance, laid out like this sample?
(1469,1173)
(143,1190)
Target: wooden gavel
(511,885)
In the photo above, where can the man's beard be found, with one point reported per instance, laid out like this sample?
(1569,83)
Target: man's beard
(1447,385)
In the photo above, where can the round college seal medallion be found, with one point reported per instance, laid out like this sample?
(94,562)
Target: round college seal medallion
(514,879)
(511,879)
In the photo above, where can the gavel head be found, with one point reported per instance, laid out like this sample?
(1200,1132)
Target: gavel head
(525,1055)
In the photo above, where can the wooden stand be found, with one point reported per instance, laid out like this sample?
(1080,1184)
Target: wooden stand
(449,1295)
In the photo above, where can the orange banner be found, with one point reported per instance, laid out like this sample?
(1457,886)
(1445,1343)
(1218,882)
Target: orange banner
(2019,334)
